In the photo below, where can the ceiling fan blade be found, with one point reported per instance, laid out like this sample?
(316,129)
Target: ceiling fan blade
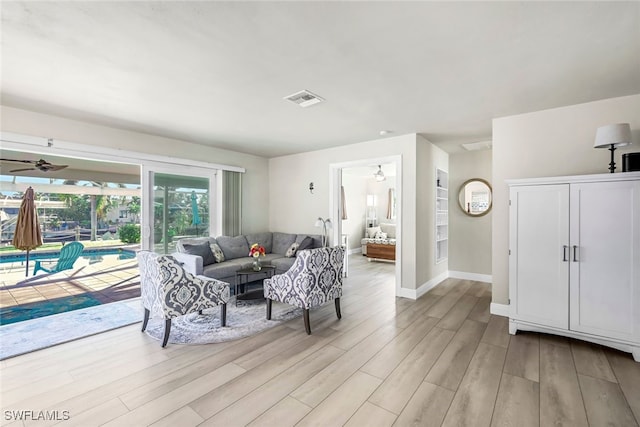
(55,167)
(21,161)
(21,170)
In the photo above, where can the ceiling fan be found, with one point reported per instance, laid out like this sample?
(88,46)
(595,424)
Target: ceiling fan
(41,165)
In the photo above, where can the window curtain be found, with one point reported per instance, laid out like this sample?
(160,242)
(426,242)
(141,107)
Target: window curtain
(231,203)
(344,203)
(390,204)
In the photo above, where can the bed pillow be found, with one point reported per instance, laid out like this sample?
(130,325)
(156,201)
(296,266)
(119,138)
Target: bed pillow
(203,250)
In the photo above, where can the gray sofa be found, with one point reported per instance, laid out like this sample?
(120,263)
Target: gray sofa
(236,253)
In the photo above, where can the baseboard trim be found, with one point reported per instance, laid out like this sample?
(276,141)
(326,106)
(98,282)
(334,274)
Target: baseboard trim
(355,251)
(471,276)
(499,309)
(414,294)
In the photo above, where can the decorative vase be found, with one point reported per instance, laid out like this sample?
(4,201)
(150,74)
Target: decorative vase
(257,266)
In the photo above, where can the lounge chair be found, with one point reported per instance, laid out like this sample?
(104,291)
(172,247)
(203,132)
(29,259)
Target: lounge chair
(314,278)
(169,291)
(68,256)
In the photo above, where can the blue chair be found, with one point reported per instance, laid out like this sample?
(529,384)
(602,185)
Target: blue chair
(68,256)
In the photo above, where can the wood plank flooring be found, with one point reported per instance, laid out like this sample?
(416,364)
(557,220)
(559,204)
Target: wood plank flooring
(442,360)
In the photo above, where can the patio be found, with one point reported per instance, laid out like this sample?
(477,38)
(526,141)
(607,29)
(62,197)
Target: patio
(108,280)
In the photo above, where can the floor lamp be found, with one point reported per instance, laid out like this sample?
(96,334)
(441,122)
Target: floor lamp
(326,225)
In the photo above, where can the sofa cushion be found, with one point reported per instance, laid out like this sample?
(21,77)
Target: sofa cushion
(263,239)
(203,249)
(306,243)
(282,242)
(193,241)
(283,264)
(226,269)
(233,247)
(316,240)
(390,229)
(292,250)
(217,252)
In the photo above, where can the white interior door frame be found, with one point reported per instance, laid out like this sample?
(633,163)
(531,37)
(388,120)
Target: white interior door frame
(335,178)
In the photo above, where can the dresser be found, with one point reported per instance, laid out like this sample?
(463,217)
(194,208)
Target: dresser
(574,258)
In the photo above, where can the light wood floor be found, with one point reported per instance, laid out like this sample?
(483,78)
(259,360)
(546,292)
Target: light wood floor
(441,360)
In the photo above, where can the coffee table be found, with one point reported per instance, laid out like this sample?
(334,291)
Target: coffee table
(242,279)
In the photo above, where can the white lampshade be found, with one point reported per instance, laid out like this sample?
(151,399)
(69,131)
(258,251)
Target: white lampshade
(618,135)
(379,175)
(319,222)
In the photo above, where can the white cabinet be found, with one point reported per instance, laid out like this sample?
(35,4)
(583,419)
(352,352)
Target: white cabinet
(574,263)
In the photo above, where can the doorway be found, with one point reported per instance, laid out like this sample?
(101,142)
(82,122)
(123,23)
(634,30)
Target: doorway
(368,203)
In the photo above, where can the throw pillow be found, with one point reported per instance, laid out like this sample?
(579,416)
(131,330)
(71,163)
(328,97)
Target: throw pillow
(292,250)
(380,235)
(371,232)
(306,243)
(217,252)
(202,250)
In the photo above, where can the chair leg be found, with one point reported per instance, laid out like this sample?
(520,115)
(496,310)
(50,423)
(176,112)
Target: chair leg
(167,329)
(307,325)
(223,314)
(269,309)
(146,319)
(338,313)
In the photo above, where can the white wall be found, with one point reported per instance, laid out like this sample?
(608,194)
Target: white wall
(355,188)
(554,142)
(255,197)
(381,191)
(428,158)
(469,237)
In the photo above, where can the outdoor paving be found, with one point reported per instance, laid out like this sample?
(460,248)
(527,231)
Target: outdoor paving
(108,281)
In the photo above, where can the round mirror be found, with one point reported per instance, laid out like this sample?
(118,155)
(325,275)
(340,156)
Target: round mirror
(475,197)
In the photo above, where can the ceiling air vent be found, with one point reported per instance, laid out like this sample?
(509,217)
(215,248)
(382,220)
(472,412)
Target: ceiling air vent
(304,98)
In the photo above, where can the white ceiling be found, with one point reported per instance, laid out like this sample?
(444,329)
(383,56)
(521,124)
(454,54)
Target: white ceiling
(215,73)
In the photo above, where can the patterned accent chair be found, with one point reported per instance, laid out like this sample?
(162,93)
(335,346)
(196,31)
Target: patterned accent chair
(314,278)
(169,291)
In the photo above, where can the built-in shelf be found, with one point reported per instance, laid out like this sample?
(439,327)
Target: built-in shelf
(442,215)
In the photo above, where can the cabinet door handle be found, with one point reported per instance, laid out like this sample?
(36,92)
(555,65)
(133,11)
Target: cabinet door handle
(564,253)
(575,253)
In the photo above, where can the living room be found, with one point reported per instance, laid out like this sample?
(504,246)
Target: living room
(537,127)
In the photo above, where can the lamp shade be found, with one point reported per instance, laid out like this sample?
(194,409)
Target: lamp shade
(379,175)
(618,135)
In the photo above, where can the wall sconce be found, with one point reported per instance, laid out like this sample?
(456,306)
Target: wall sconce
(311,187)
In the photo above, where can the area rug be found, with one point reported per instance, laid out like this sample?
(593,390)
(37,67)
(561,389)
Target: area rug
(242,321)
(22,312)
(35,334)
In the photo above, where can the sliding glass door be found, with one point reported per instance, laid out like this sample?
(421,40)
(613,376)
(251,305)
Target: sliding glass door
(177,206)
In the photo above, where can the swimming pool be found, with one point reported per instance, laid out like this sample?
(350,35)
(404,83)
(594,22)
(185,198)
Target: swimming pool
(87,253)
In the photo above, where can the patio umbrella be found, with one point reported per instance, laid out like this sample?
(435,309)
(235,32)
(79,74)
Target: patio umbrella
(27,235)
(194,210)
